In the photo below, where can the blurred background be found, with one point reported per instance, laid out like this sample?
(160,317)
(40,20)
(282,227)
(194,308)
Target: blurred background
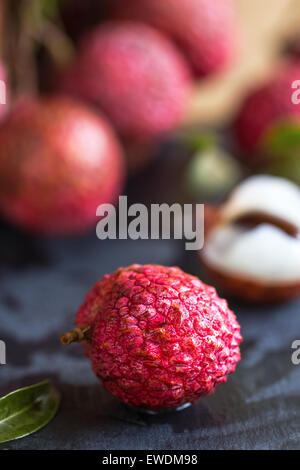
(165,103)
(197,71)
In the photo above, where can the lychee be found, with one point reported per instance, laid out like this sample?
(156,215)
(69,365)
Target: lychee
(133,73)
(156,337)
(58,162)
(265,108)
(4,92)
(252,247)
(203,29)
(211,171)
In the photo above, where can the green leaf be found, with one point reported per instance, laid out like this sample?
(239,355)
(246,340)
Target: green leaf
(281,150)
(283,138)
(50,8)
(199,141)
(27,410)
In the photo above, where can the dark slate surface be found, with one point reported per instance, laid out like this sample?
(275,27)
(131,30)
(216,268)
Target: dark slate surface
(42,282)
(258,408)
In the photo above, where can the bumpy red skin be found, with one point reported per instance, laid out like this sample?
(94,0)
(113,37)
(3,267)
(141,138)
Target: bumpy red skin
(265,107)
(135,75)
(204,29)
(160,337)
(58,162)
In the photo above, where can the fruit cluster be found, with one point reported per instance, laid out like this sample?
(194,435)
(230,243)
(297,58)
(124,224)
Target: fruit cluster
(157,337)
(136,70)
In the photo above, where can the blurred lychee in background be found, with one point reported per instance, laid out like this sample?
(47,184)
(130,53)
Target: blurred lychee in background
(127,79)
(58,161)
(204,30)
(136,75)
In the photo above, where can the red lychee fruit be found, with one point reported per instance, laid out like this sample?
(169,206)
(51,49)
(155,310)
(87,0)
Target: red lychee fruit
(157,337)
(3,92)
(203,29)
(267,106)
(58,162)
(135,75)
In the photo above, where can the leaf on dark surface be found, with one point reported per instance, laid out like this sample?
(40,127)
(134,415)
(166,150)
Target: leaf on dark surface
(27,410)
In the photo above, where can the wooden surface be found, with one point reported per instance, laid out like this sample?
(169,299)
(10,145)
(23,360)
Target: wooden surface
(263,25)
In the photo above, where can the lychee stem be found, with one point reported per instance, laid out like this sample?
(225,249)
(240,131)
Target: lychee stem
(75,336)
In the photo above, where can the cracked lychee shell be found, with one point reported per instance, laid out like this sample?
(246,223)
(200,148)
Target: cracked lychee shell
(156,337)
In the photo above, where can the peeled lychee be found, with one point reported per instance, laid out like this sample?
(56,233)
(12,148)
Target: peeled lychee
(133,73)
(157,337)
(203,29)
(252,246)
(58,162)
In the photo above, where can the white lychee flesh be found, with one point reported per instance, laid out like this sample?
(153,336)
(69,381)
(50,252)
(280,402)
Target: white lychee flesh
(263,253)
(264,194)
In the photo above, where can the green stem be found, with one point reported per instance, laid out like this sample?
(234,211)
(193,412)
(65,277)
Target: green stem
(28,25)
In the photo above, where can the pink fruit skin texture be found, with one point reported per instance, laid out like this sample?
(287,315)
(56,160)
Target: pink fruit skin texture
(135,75)
(58,162)
(160,337)
(4,106)
(266,106)
(203,29)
